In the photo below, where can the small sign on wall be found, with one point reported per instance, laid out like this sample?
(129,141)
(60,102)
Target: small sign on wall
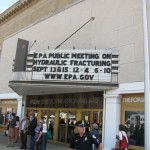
(74,65)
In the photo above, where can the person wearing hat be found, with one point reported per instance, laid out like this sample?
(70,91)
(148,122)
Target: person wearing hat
(83,140)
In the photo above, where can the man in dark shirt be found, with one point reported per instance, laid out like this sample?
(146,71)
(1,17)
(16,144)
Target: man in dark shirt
(32,126)
(83,140)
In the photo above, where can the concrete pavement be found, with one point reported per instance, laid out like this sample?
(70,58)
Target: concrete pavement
(50,146)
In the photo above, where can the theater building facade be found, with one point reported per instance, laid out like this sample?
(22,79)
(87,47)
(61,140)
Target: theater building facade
(75,60)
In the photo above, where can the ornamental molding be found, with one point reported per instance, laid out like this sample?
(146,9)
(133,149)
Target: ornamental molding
(15,9)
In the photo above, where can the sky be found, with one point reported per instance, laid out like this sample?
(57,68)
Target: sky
(4,4)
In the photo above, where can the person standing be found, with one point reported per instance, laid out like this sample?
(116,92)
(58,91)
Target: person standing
(83,140)
(51,128)
(43,133)
(37,138)
(142,135)
(17,129)
(122,137)
(6,118)
(136,135)
(32,126)
(11,131)
(1,118)
(23,131)
(95,133)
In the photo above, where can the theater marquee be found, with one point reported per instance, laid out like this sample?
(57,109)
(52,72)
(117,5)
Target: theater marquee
(75,65)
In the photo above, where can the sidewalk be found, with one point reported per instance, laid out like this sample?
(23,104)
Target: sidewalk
(50,146)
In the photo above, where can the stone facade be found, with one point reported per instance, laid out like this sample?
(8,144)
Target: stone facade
(117,24)
(25,12)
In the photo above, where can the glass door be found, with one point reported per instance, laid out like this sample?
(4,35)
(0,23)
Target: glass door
(35,112)
(62,125)
(86,115)
(71,125)
(50,118)
(67,120)
(98,119)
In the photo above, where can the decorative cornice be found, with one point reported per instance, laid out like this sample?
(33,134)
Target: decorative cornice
(15,9)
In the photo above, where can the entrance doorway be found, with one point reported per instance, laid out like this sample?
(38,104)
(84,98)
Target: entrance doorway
(62,122)
(67,120)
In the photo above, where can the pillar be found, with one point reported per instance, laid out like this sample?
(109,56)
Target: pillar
(19,107)
(23,107)
(111,120)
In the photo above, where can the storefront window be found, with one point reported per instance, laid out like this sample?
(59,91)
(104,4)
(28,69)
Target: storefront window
(134,125)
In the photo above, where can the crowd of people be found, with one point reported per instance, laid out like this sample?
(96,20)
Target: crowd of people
(4,118)
(18,131)
(37,131)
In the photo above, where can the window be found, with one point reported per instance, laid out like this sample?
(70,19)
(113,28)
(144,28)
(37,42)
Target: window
(134,127)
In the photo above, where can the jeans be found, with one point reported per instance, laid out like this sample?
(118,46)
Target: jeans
(44,141)
(32,143)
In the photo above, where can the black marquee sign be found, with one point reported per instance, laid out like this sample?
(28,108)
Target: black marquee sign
(73,100)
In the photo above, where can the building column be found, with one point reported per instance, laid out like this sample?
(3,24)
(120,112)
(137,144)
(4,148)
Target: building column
(23,106)
(111,120)
(19,107)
